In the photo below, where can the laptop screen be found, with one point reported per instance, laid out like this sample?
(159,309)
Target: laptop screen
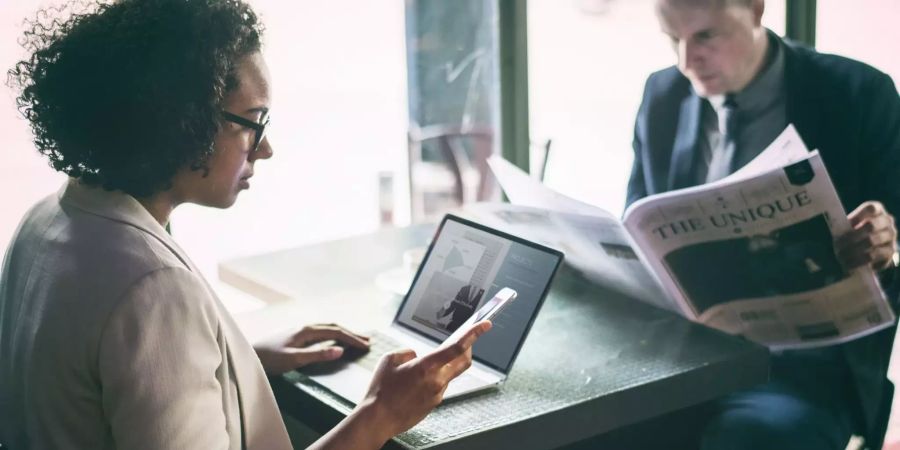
(465,266)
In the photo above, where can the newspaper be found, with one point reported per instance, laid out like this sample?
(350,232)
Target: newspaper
(751,254)
(598,247)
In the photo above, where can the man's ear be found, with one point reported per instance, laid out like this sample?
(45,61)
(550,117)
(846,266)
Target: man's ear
(758,7)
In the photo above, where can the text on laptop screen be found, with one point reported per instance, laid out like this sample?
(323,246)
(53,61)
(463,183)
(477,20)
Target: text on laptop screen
(465,268)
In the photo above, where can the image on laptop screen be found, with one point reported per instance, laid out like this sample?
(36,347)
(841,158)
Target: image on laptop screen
(467,264)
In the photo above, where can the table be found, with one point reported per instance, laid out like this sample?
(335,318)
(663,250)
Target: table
(594,362)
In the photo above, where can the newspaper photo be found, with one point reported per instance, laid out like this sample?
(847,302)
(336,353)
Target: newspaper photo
(751,254)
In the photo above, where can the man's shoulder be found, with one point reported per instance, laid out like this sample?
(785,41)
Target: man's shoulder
(832,71)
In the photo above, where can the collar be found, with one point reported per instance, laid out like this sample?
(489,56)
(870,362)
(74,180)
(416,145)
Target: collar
(120,207)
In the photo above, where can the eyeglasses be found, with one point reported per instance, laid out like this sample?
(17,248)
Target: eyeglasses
(259,128)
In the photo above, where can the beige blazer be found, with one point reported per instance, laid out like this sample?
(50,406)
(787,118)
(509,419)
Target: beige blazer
(110,338)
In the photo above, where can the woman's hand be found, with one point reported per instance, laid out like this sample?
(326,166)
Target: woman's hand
(289,351)
(405,388)
(402,392)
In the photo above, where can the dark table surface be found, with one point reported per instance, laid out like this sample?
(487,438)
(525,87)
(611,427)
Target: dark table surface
(594,362)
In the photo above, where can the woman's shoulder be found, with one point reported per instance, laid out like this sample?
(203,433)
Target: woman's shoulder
(72,250)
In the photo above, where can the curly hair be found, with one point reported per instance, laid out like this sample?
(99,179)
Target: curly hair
(122,95)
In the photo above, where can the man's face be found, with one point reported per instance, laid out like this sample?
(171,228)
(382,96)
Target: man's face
(717,46)
(231,164)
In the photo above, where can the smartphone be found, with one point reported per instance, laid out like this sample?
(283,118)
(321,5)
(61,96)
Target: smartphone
(487,312)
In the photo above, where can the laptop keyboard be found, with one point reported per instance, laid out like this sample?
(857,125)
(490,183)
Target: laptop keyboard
(379,344)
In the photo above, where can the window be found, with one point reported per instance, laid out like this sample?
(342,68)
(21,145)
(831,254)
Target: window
(865,30)
(453,103)
(338,70)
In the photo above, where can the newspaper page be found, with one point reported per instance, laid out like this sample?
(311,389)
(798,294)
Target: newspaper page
(754,256)
(593,239)
(787,148)
(523,190)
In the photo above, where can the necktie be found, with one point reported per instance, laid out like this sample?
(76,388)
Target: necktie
(722,162)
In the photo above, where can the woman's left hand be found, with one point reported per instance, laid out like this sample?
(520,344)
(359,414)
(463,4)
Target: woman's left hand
(289,351)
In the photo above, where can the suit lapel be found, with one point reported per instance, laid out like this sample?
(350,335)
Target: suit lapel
(803,102)
(685,146)
(119,207)
(264,429)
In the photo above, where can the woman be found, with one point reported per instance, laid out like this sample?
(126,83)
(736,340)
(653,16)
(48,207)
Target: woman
(109,336)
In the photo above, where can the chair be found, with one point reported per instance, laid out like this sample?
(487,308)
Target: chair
(448,168)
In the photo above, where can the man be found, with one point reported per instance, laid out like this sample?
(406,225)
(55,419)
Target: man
(735,88)
(461,307)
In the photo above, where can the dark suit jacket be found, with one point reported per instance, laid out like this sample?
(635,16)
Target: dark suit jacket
(462,306)
(847,110)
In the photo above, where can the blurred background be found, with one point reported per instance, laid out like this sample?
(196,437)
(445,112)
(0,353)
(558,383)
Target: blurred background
(385,110)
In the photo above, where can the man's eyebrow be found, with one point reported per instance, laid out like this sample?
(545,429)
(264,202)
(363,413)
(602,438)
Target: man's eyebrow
(258,109)
(705,31)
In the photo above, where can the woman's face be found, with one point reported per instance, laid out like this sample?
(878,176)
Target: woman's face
(231,163)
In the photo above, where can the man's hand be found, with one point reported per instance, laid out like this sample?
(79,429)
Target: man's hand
(405,388)
(872,241)
(289,351)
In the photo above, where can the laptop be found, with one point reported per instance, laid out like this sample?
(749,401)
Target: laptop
(465,266)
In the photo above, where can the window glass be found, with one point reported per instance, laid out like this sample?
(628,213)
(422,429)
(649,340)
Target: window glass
(865,30)
(338,121)
(774,18)
(453,103)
